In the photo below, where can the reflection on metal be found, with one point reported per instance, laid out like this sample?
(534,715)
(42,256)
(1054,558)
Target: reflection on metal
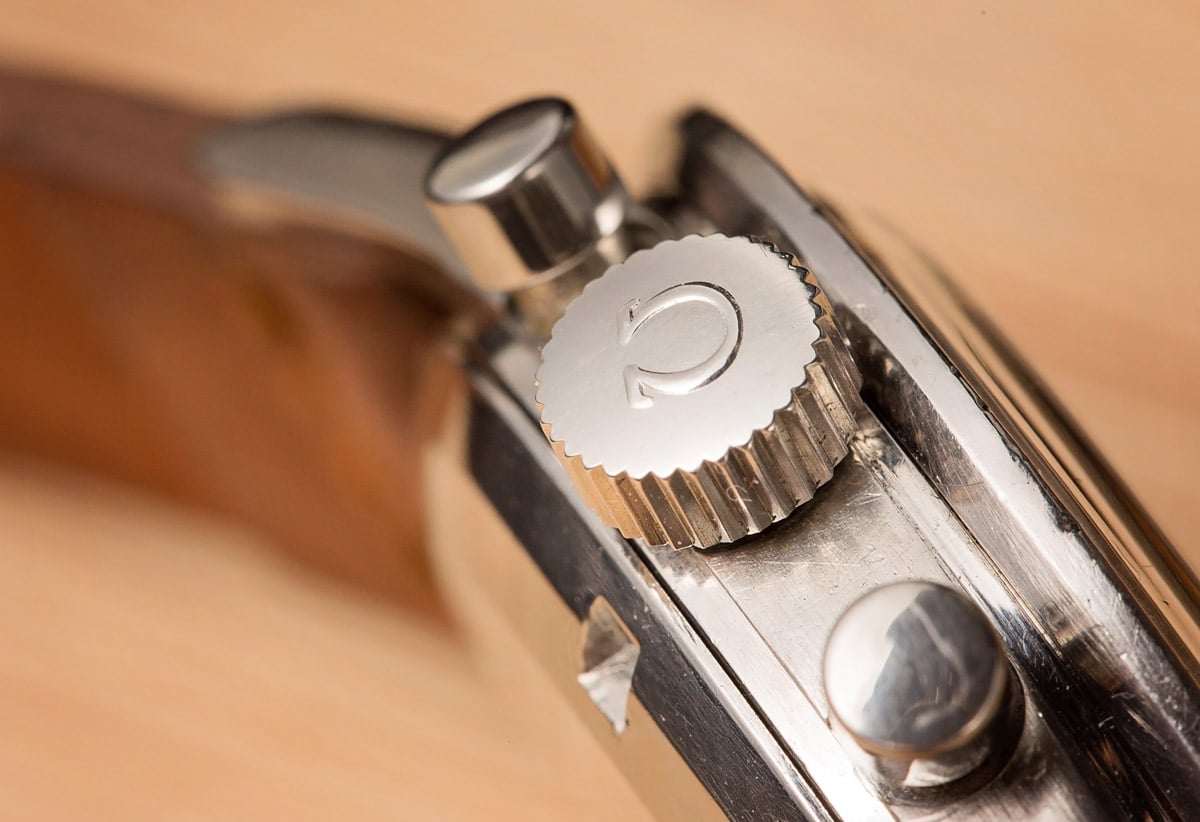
(771,602)
(535,208)
(642,385)
(1130,685)
(609,659)
(959,474)
(698,704)
(918,679)
(356,172)
(698,391)
(525,194)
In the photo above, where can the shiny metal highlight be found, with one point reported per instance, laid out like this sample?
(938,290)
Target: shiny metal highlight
(699,391)
(918,679)
(527,195)
(960,473)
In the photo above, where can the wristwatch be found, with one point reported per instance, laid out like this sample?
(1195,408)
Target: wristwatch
(767,498)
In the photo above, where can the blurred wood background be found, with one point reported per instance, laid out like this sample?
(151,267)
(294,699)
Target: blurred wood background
(163,662)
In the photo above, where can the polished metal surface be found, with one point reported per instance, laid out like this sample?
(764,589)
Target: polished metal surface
(918,679)
(767,607)
(609,660)
(527,196)
(913,669)
(486,161)
(1119,675)
(771,603)
(699,704)
(956,476)
(359,173)
(698,392)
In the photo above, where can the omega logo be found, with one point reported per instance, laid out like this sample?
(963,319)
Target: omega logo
(643,385)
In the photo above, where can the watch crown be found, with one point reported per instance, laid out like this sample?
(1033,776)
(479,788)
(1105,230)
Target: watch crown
(699,391)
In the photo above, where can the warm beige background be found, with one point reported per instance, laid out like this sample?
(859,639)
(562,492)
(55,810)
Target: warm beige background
(1045,153)
(159,666)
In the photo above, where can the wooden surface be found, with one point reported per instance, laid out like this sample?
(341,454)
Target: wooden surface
(160,665)
(144,338)
(1043,153)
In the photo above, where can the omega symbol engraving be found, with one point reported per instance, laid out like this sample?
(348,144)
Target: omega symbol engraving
(643,385)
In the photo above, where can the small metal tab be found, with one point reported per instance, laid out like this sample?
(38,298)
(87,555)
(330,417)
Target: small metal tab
(610,655)
(916,677)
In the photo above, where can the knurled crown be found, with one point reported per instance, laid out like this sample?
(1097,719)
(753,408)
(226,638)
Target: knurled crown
(699,391)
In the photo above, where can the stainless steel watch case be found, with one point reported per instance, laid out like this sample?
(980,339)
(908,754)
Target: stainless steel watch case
(964,473)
